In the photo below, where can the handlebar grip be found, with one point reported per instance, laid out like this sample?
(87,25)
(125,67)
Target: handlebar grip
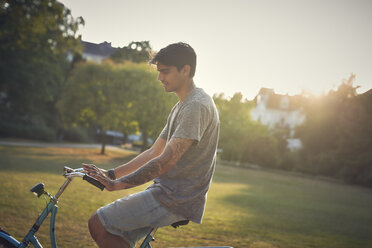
(93,181)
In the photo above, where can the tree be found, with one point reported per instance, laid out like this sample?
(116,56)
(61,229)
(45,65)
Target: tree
(151,105)
(136,51)
(241,139)
(150,116)
(96,96)
(120,97)
(35,38)
(337,134)
(234,118)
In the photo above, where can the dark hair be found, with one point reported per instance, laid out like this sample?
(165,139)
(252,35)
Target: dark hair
(177,54)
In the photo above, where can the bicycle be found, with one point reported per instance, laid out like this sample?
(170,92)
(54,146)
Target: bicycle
(7,241)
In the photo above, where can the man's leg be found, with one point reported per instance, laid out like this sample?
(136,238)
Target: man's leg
(103,238)
(130,218)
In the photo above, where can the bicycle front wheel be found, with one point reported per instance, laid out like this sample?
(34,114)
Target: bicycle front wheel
(5,243)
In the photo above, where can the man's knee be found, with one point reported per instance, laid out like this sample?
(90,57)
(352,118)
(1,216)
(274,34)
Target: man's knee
(101,236)
(95,226)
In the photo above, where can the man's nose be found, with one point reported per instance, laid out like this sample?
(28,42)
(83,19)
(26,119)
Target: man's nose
(160,77)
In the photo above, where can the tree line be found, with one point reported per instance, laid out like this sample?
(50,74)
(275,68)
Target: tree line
(336,136)
(48,92)
(45,96)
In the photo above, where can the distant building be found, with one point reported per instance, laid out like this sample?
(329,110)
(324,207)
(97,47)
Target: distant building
(279,111)
(97,52)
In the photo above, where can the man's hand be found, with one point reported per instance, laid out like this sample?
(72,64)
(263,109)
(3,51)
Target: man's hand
(91,168)
(152,169)
(101,175)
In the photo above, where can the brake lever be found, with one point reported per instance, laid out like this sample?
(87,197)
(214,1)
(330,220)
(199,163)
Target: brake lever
(68,170)
(74,174)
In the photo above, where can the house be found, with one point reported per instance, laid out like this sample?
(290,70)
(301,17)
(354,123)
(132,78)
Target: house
(97,52)
(279,111)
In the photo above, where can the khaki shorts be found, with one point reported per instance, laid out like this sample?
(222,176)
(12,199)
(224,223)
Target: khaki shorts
(133,216)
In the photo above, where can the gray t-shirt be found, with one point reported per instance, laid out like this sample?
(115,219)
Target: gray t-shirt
(183,189)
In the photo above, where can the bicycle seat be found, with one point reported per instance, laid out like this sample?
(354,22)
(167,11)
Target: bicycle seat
(180,223)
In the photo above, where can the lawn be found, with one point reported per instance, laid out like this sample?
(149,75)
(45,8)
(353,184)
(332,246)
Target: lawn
(246,208)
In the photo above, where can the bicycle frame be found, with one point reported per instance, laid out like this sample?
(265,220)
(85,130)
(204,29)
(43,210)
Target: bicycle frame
(148,239)
(31,238)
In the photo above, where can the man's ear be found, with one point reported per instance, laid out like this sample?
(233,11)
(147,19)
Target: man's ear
(186,70)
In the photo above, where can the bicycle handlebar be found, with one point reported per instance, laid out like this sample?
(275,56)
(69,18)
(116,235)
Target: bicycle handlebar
(69,173)
(93,181)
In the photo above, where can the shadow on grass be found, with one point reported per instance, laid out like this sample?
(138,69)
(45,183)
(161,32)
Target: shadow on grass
(292,211)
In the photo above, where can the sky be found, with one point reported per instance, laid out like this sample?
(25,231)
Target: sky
(242,45)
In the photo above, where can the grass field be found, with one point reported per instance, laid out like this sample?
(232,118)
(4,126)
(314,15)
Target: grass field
(246,208)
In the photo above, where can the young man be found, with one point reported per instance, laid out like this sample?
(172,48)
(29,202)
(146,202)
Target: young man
(181,162)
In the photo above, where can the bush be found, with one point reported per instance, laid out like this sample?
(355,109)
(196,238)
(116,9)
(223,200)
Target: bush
(262,151)
(358,170)
(76,134)
(34,132)
(290,161)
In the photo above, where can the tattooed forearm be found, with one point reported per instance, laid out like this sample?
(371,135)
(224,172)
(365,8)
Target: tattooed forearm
(159,165)
(149,171)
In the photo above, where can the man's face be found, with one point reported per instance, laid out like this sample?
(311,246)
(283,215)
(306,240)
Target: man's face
(171,78)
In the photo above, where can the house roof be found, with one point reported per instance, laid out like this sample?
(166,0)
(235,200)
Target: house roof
(281,102)
(276,102)
(264,91)
(368,93)
(103,49)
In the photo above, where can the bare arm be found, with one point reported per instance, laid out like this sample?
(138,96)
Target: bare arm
(156,149)
(152,169)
